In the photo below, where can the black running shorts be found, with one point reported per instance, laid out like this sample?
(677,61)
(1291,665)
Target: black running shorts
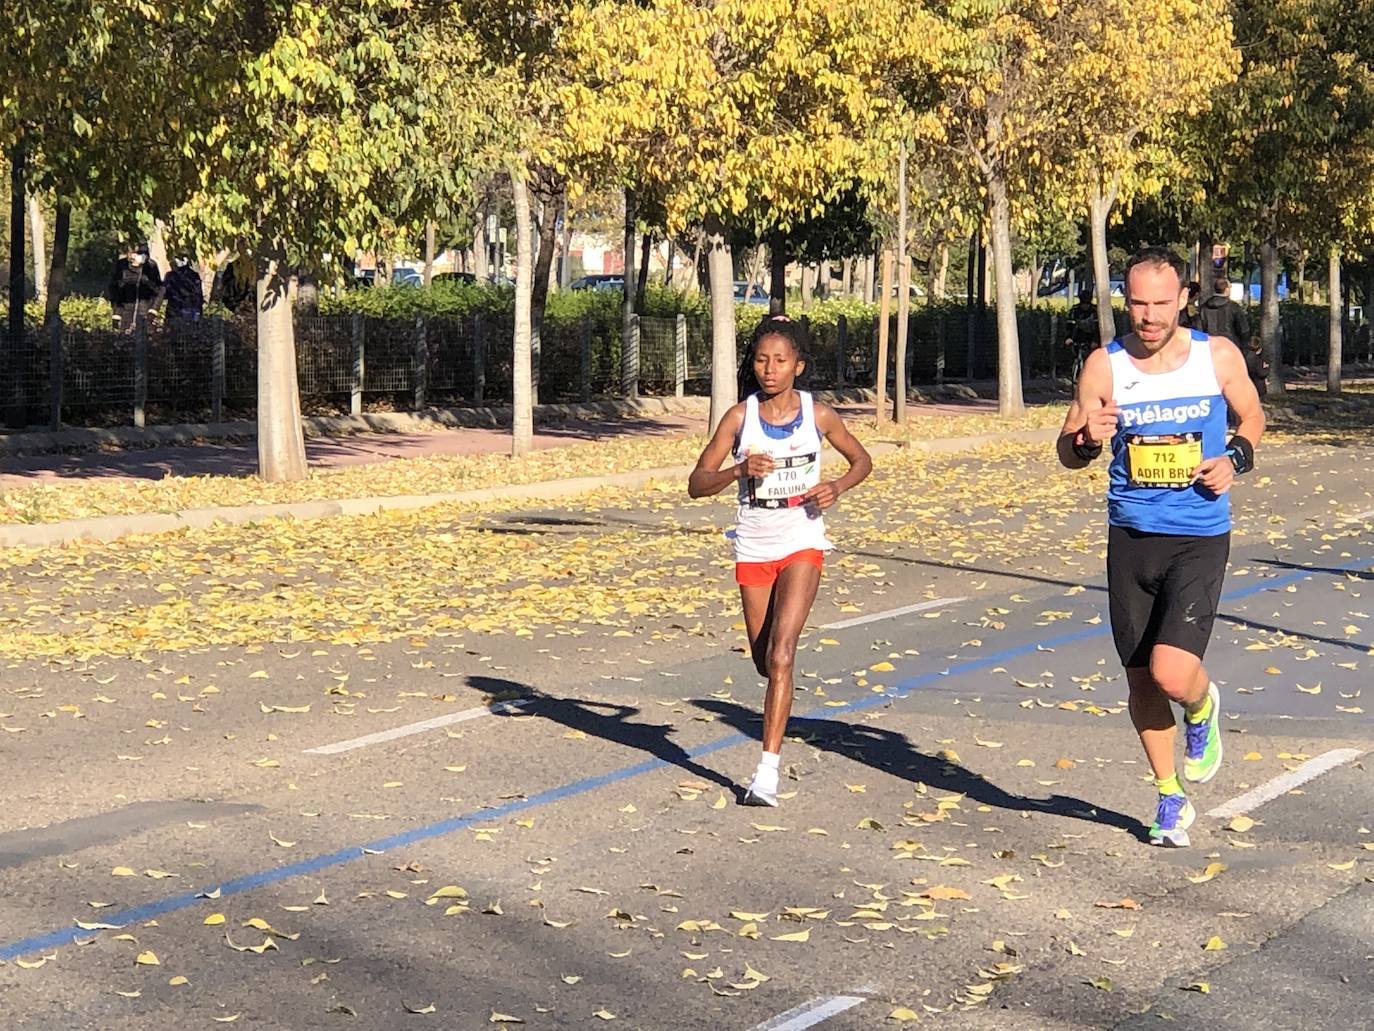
(1163,589)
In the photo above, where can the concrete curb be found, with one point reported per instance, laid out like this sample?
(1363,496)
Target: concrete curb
(110,528)
(491,417)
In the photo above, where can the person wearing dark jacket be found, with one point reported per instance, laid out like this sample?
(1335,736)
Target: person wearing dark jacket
(185,294)
(1219,316)
(135,287)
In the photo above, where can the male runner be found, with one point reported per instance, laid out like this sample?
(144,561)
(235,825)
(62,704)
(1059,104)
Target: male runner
(1159,395)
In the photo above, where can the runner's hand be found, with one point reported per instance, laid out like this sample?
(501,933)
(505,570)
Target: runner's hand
(755,466)
(1216,474)
(1101,424)
(823,495)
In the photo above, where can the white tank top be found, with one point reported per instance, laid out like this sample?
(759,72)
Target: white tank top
(772,522)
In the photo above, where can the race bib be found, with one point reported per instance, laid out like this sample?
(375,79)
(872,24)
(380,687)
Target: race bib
(1163,461)
(792,476)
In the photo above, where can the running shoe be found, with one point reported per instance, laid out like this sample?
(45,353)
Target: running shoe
(762,791)
(1172,820)
(1202,754)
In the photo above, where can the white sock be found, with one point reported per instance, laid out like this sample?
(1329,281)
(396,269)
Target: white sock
(766,775)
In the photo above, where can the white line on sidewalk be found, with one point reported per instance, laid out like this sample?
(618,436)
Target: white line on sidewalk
(417,728)
(1285,782)
(893,613)
(809,1014)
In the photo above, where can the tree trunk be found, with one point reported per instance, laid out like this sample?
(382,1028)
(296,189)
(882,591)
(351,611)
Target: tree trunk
(720,267)
(57,271)
(755,271)
(884,327)
(777,274)
(806,280)
(847,277)
(430,231)
(1008,341)
(903,296)
(939,288)
(157,247)
(1269,311)
(646,248)
(1099,206)
(522,400)
(1334,324)
(629,351)
(281,440)
(39,229)
(16,416)
(481,254)
(870,263)
(668,267)
(539,287)
(565,264)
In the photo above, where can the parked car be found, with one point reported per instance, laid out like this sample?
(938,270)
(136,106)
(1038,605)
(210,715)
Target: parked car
(750,293)
(465,278)
(598,282)
(406,277)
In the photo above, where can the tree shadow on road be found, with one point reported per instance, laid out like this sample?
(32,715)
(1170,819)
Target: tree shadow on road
(608,721)
(894,754)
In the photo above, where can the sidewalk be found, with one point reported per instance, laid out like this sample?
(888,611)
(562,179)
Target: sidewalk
(239,457)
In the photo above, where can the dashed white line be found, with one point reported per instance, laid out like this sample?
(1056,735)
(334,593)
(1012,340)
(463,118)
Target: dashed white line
(809,1014)
(417,728)
(873,617)
(1285,782)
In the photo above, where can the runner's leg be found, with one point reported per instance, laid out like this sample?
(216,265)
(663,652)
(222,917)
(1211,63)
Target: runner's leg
(758,618)
(795,592)
(1153,719)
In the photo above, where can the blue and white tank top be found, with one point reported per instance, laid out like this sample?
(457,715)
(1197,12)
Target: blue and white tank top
(1170,422)
(772,522)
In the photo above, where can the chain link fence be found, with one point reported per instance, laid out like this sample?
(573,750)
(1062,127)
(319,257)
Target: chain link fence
(206,371)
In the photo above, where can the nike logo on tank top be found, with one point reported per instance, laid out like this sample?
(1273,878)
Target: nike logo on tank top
(1169,423)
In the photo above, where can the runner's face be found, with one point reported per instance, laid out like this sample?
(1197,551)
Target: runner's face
(1154,297)
(776,364)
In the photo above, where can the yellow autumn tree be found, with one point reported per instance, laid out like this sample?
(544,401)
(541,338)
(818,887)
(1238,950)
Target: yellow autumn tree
(748,113)
(1046,102)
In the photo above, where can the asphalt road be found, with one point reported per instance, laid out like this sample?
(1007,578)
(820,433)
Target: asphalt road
(543,825)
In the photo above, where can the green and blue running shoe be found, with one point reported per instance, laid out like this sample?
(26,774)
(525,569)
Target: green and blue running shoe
(1202,753)
(1172,820)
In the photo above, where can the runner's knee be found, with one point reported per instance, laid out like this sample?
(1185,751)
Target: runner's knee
(782,656)
(1175,673)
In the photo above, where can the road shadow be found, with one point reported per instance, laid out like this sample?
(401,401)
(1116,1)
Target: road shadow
(608,721)
(880,749)
(894,754)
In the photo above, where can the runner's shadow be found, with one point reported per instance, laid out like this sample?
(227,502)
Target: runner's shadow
(894,754)
(605,720)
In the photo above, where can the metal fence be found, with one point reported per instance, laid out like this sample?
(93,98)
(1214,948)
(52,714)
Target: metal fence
(207,371)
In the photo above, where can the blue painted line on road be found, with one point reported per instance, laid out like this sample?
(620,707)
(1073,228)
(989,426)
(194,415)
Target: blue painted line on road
(263,878)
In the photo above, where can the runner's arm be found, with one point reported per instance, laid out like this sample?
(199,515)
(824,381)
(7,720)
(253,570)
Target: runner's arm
(1092,415)
(834,430)
(708,477)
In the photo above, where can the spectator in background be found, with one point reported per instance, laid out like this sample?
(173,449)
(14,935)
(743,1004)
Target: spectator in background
(1256,365)
(1083,329)
(135,288)
(185,293)
(1219,316)
(1188,317)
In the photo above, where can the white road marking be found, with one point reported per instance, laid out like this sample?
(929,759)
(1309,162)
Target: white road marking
(1358,516)
(893,613)
(417,728)
(1285,782)
(809,1014)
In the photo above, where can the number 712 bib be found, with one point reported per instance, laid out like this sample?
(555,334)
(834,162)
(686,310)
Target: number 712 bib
(1167,460)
